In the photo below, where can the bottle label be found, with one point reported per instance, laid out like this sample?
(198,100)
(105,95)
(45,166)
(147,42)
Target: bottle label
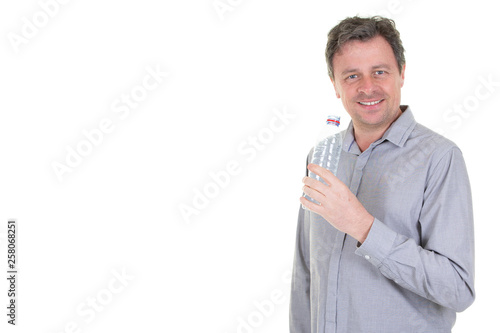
(333,120)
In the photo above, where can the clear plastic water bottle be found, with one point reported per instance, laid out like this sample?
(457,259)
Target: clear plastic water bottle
(327,150)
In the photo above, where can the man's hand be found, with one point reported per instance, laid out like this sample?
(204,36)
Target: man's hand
(338,205)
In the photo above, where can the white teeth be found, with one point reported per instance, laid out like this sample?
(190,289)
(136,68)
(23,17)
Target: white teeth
(370,103)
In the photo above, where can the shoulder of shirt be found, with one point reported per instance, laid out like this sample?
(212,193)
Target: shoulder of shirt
(432,143)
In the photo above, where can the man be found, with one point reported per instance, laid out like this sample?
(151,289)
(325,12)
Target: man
(390,246)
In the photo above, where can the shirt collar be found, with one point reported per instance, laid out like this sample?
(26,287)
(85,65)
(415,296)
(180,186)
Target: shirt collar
(397,133)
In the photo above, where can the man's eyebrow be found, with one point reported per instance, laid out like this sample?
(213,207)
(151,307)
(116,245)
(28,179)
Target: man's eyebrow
(381,66)
(353,70)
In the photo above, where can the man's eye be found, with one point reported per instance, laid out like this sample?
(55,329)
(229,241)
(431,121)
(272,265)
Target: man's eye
(353,76)
(379,72)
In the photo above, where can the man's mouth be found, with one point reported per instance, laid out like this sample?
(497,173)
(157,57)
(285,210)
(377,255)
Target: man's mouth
(370,103)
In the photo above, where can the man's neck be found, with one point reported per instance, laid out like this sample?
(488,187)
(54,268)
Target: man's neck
(364,139)
(366,135)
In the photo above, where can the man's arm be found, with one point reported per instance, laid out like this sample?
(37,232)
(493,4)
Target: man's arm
(440,265)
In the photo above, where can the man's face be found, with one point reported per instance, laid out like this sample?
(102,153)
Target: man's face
(367,79)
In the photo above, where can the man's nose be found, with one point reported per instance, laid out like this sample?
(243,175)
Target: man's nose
(366,85)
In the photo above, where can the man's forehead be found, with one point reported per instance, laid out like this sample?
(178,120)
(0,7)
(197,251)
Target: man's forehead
(359,43)
(377,43)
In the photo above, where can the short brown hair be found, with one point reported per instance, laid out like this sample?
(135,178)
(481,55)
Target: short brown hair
(363,29)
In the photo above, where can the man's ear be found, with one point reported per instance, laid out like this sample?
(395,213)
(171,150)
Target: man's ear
(403,75)
(335,87)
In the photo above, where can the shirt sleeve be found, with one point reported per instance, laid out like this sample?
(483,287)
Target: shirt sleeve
(300,303)
(440,265)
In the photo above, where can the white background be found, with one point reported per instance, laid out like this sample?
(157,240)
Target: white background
(228,74)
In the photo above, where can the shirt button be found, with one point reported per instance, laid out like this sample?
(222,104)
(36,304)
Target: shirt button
(367,257)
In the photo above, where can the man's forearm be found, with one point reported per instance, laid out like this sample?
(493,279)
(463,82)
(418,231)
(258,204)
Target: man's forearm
(444,278)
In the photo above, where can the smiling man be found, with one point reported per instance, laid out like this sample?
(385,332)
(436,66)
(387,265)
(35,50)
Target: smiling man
(390,246)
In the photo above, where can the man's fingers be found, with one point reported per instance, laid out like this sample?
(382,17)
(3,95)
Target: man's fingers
(310,205)
(327,175)
(313,193)
(314,183)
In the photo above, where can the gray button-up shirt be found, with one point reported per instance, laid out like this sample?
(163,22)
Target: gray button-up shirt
(415,270)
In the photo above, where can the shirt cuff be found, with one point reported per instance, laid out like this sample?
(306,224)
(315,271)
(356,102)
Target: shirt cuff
(378,244)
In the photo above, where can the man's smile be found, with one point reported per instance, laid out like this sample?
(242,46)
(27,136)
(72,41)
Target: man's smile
(371,103)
